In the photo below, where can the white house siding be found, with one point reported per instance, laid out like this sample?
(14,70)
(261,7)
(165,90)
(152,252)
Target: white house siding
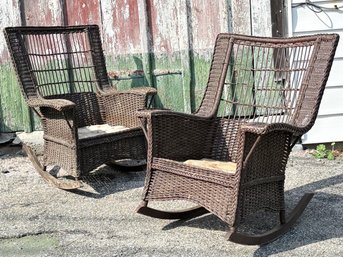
(303,21)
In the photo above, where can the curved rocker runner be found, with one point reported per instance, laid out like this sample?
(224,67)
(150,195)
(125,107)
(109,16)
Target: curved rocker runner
(274,233)
(66,184)
(182,214)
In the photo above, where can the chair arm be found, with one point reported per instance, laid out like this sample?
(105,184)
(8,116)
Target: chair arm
(147,113)
(173,135)
(57,104)
(260,128)
(120,107)
(263,151)
(58,119)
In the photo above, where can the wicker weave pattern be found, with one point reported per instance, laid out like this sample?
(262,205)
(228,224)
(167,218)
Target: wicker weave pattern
(63,77)
(262,94)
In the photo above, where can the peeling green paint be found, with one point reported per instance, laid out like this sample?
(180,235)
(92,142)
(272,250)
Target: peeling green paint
(180,88)
(14,114)
(125,71)
(201,68)
(176,84)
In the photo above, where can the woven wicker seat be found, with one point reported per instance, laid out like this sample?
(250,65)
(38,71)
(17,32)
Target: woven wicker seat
(86,121)
(262,95)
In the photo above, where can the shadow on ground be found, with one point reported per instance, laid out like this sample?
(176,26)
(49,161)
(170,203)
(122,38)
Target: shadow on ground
(321,220)
(102,182)
(106,181)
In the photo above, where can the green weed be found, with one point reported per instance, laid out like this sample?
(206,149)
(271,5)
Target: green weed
(322,152)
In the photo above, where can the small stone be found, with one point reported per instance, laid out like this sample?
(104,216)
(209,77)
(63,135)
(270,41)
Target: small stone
(16,141)
(6,137)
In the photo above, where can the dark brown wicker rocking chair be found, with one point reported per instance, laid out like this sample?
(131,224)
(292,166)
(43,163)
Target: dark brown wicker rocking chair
(229,157)
(86,121)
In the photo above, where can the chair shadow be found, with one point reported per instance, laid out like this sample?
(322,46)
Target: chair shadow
(321,220)
(105,181)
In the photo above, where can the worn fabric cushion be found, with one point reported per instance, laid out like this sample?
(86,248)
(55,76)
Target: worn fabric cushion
(229,167)
(96,130)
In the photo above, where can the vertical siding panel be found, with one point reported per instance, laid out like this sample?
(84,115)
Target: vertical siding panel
(241,17)
(185,41)
(261,18)
(121,26)
(207,20)
(123,36)
(145,41)
(42,12)
(9,16)
(164,17)
(78,12)
(14,114)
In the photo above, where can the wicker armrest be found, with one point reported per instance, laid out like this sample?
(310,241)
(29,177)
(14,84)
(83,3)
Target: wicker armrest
(57,104)
(120,107)
(58,119)
(176,136)
(264,128)
(146,113)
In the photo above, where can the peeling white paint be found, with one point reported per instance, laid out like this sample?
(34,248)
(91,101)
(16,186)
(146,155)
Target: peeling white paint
(9,16)
(55,8)
(126,12)
(241,19)
(107,14)
(167,17)
(261,18)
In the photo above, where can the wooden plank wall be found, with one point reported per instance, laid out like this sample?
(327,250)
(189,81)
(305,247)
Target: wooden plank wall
(164,44)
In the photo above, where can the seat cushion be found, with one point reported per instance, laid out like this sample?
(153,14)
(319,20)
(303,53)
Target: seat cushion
(210,164)
(96,130)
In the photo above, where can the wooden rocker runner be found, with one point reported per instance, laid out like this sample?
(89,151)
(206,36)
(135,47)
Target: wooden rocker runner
(229,157)
(86,121)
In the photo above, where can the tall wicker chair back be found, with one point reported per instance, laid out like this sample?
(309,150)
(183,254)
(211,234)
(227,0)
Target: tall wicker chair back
(229,157)
(86,121)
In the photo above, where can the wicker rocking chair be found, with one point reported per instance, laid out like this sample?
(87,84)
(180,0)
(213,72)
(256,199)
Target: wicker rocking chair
(229,157)
(86,121)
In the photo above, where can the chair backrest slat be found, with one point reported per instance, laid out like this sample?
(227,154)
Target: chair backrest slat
(58,60)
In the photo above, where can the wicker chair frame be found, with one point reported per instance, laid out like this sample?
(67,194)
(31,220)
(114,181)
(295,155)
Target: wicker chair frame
(262,95)
(63,78)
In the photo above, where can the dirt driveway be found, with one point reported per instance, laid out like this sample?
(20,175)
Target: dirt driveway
(37,220)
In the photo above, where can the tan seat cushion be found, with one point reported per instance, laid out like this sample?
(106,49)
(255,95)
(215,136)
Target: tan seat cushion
(229,167)
(96,130)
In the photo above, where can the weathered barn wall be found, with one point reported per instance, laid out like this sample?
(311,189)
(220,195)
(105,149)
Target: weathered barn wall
(14,114)
(163,44)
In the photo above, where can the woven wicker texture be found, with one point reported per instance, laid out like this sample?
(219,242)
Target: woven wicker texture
(262,95)
(63,77)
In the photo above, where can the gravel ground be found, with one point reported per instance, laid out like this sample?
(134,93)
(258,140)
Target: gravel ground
(38,220)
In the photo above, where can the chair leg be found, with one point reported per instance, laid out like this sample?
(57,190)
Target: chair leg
(51,180)
(182,214)
(269,236)
(282,217)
